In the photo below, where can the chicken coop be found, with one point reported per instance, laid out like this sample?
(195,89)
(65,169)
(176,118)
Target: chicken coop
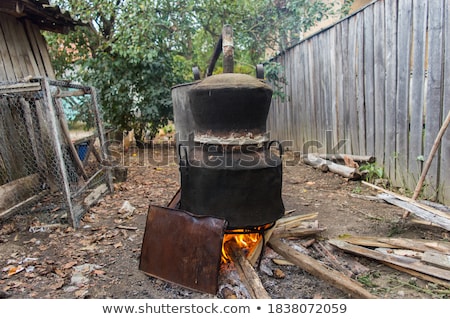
(43,166)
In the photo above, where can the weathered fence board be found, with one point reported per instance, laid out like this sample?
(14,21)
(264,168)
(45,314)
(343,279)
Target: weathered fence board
(381,85)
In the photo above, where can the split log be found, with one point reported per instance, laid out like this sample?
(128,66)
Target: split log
(247,273)
(340,157)
(315,268)
(348,172)
(442,219)
(404,262)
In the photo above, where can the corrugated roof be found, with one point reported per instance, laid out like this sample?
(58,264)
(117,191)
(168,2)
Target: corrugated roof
(47,16)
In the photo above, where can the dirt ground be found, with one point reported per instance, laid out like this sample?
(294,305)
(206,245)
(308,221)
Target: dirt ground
(101,259)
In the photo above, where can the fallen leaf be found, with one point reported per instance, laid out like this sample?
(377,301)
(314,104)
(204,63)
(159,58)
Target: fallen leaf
(15,270)
(57,285)
(118,245)
(69,265)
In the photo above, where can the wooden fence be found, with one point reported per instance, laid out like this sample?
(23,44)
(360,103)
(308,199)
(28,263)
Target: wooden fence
(375,83)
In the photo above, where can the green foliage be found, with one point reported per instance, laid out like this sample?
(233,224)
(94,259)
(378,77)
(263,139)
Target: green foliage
(372,171)
(133,52)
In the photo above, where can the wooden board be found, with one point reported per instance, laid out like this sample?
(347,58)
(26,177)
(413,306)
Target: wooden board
(402,261)
(436,259)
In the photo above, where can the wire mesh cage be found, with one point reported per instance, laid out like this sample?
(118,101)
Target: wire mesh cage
(43,165)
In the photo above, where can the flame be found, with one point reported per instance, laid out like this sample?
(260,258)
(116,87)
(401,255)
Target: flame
(245,240)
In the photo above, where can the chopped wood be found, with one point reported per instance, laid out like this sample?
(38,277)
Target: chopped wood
(405,262)
(409,200)
(315,268)
(406,243)
(247,273)
(294,220)
(255,254)
(418,244)
(442,219)
(401,252)
(297,232)
(419,275)
(282,262)
(316,162)
(367,241)
(356,158)
(331,259)
(436,259)
(345,171)
(348,262)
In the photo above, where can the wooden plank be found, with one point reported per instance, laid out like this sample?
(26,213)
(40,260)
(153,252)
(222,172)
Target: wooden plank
(18,190)
(347,148)
(351,87)
(379,82)
(390,44)
(434,106)
(360,105)
(316,86)
(420,275)
(5,62)
(15,47)
(333,86)
(403,71)
(20,87)
(369,79)
(419,212)
(436,259)
(310,92)
(29,29)
(444,174)
(24,49)
(340,110)
(314,267)
(417,91)
(408,200)
(402,261)
(42,46)
(7,48)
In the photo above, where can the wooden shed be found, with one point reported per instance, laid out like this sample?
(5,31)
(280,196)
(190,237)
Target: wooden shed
(23,50)
(39,160)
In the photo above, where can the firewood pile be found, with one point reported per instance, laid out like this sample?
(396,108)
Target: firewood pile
(295,241)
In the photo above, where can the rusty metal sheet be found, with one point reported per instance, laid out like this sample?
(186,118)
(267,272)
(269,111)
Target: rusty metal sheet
(183,248)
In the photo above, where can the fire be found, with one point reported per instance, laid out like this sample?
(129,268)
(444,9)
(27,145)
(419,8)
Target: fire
(244,239)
